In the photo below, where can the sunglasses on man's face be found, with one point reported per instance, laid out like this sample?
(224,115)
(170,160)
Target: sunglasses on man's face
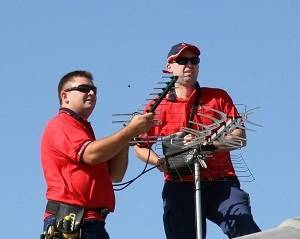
(184,60)
(83,88)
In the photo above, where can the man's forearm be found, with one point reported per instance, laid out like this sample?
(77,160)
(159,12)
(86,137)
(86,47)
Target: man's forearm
(146,154)
(104,149)
(237,139)
(118,165)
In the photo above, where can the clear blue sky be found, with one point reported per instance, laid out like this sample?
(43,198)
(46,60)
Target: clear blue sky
(249,48)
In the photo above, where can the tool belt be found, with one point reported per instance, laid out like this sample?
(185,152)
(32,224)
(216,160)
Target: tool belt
(68,219)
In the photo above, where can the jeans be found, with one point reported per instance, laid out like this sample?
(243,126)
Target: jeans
(223,202)
(90,229)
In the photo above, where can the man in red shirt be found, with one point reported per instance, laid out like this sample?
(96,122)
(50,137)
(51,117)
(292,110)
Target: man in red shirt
(78,169)
(223,202)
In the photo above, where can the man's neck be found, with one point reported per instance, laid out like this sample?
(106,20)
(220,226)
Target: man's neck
(76,112)
(183,92)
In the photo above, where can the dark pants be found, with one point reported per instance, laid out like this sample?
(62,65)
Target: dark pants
(91,229)
(223,202)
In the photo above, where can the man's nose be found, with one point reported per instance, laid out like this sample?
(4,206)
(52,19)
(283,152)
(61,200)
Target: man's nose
(189,63)
(91,92)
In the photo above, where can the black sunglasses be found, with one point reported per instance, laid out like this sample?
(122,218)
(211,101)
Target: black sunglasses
(83,88)
(184,60)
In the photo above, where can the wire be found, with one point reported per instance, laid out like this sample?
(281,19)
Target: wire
(145,170)
(152,109)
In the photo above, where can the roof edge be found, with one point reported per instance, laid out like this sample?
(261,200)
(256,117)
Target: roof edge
(291,222)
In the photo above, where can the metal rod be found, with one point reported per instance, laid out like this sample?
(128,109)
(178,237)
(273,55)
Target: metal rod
(163,94)
(125,114)
(198,200)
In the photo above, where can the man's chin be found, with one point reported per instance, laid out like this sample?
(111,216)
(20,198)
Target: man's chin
(89,107)
(89,104)
(186,81)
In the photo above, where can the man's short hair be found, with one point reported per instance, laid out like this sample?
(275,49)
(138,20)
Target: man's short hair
(69,77)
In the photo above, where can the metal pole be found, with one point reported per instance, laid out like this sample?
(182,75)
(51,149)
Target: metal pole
(198,199)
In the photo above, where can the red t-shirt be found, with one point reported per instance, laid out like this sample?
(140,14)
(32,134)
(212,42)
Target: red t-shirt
(173,114)
(68,179)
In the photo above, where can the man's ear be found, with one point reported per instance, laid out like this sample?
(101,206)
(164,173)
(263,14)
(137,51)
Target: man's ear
(64,97)
(168,67)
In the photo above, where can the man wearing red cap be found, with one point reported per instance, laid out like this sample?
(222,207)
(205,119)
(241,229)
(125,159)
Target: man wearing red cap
(223,202)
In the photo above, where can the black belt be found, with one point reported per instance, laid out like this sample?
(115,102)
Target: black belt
(53,206)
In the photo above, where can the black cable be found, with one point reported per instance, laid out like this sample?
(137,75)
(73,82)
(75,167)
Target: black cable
(153,107)
(131,181)
(145,170)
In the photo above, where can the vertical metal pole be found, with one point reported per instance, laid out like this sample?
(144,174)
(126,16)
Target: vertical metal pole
(198,199)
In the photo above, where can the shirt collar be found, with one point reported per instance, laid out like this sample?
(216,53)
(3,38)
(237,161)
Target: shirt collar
(171,96)
(72,114)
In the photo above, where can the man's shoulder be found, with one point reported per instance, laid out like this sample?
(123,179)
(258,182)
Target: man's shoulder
(62,126)
(60,120)
(56,119)
(214,92)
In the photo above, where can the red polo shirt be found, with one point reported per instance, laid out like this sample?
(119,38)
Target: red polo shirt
(173,114)
(68,179)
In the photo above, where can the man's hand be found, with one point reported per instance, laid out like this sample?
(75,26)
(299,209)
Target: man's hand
(141,123)
(161,164)
(188,139)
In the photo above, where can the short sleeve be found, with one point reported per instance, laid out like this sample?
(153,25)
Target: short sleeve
(227,105)
(71,139)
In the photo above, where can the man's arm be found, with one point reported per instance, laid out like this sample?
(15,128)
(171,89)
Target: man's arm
(104,149)
(146,154)
(149,155)
(238,133)
(153,158)
(118,165)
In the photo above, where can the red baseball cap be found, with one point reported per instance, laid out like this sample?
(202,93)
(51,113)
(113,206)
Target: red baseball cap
(177,49)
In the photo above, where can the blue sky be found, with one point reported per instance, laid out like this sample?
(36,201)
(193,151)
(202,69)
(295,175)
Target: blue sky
(249,48)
